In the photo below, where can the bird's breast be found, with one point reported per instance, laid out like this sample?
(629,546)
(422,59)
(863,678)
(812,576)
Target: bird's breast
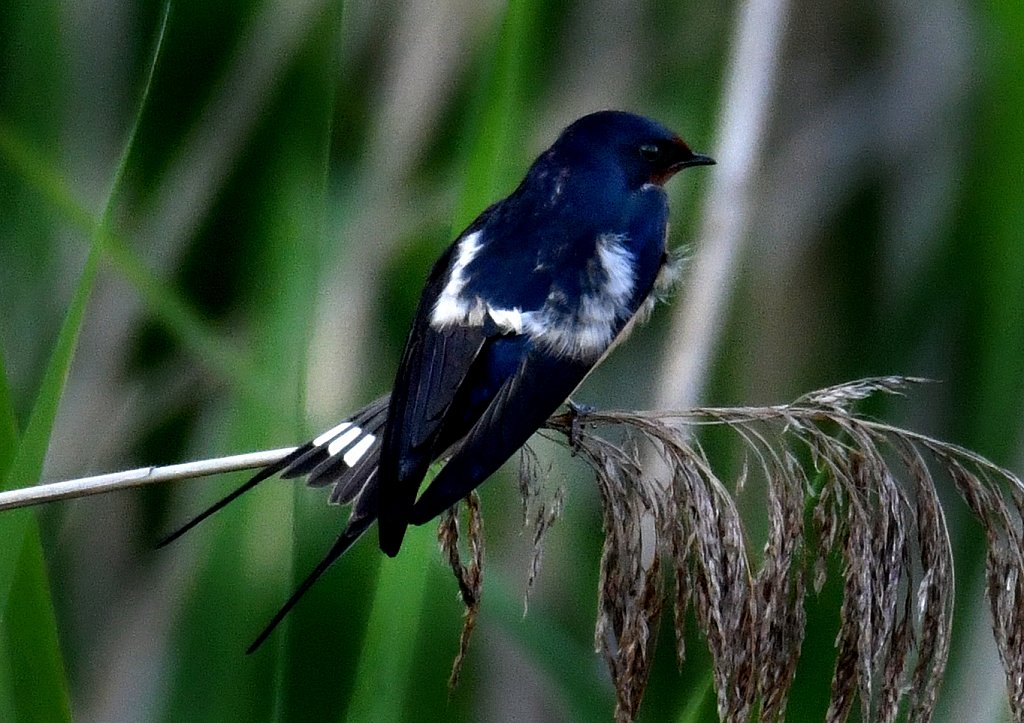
(587,306)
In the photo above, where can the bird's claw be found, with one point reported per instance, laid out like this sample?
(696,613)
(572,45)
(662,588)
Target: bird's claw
(580,409)
(577,413)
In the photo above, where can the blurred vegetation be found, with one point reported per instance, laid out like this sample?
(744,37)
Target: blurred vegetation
(214,220)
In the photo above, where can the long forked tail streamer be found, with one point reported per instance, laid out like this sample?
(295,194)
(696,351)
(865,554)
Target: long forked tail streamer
(356,527)
(265,473)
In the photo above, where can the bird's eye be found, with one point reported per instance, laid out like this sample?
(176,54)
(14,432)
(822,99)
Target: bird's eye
(650,152)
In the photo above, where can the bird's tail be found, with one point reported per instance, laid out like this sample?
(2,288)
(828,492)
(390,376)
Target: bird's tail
(357,525)
(344,457)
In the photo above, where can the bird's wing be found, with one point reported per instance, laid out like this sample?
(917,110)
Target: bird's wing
(556,363)
(435,364)
(520,408)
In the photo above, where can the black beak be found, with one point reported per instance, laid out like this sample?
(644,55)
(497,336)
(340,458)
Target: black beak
(684,158)
(696,159)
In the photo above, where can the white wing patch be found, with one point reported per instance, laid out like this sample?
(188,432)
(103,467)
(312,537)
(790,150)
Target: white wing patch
(453,308)
(450,307)
(583,332)
(508,320)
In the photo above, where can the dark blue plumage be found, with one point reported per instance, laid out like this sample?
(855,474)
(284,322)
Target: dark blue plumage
(512,318)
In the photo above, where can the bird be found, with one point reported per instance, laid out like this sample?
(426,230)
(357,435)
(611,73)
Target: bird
(517,311)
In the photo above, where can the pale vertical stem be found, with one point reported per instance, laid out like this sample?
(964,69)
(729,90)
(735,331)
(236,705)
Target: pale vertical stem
(742,128)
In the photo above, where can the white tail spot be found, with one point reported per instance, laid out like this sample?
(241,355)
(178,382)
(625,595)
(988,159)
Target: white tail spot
(331,434)
(343,441)
(355,454)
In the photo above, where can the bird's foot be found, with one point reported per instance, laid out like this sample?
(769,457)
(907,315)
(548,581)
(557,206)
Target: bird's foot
(577,418)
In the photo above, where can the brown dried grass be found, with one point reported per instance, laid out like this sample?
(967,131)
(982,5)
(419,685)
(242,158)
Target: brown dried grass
(867,494)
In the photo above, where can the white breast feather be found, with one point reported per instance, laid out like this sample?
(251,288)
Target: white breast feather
(617,262)
(591,329)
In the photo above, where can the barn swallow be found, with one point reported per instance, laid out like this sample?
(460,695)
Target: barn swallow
(512,318)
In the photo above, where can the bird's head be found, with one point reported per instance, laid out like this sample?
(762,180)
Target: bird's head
(640,149)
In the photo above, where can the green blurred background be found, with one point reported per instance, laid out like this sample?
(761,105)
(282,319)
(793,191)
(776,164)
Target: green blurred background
(214,222)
